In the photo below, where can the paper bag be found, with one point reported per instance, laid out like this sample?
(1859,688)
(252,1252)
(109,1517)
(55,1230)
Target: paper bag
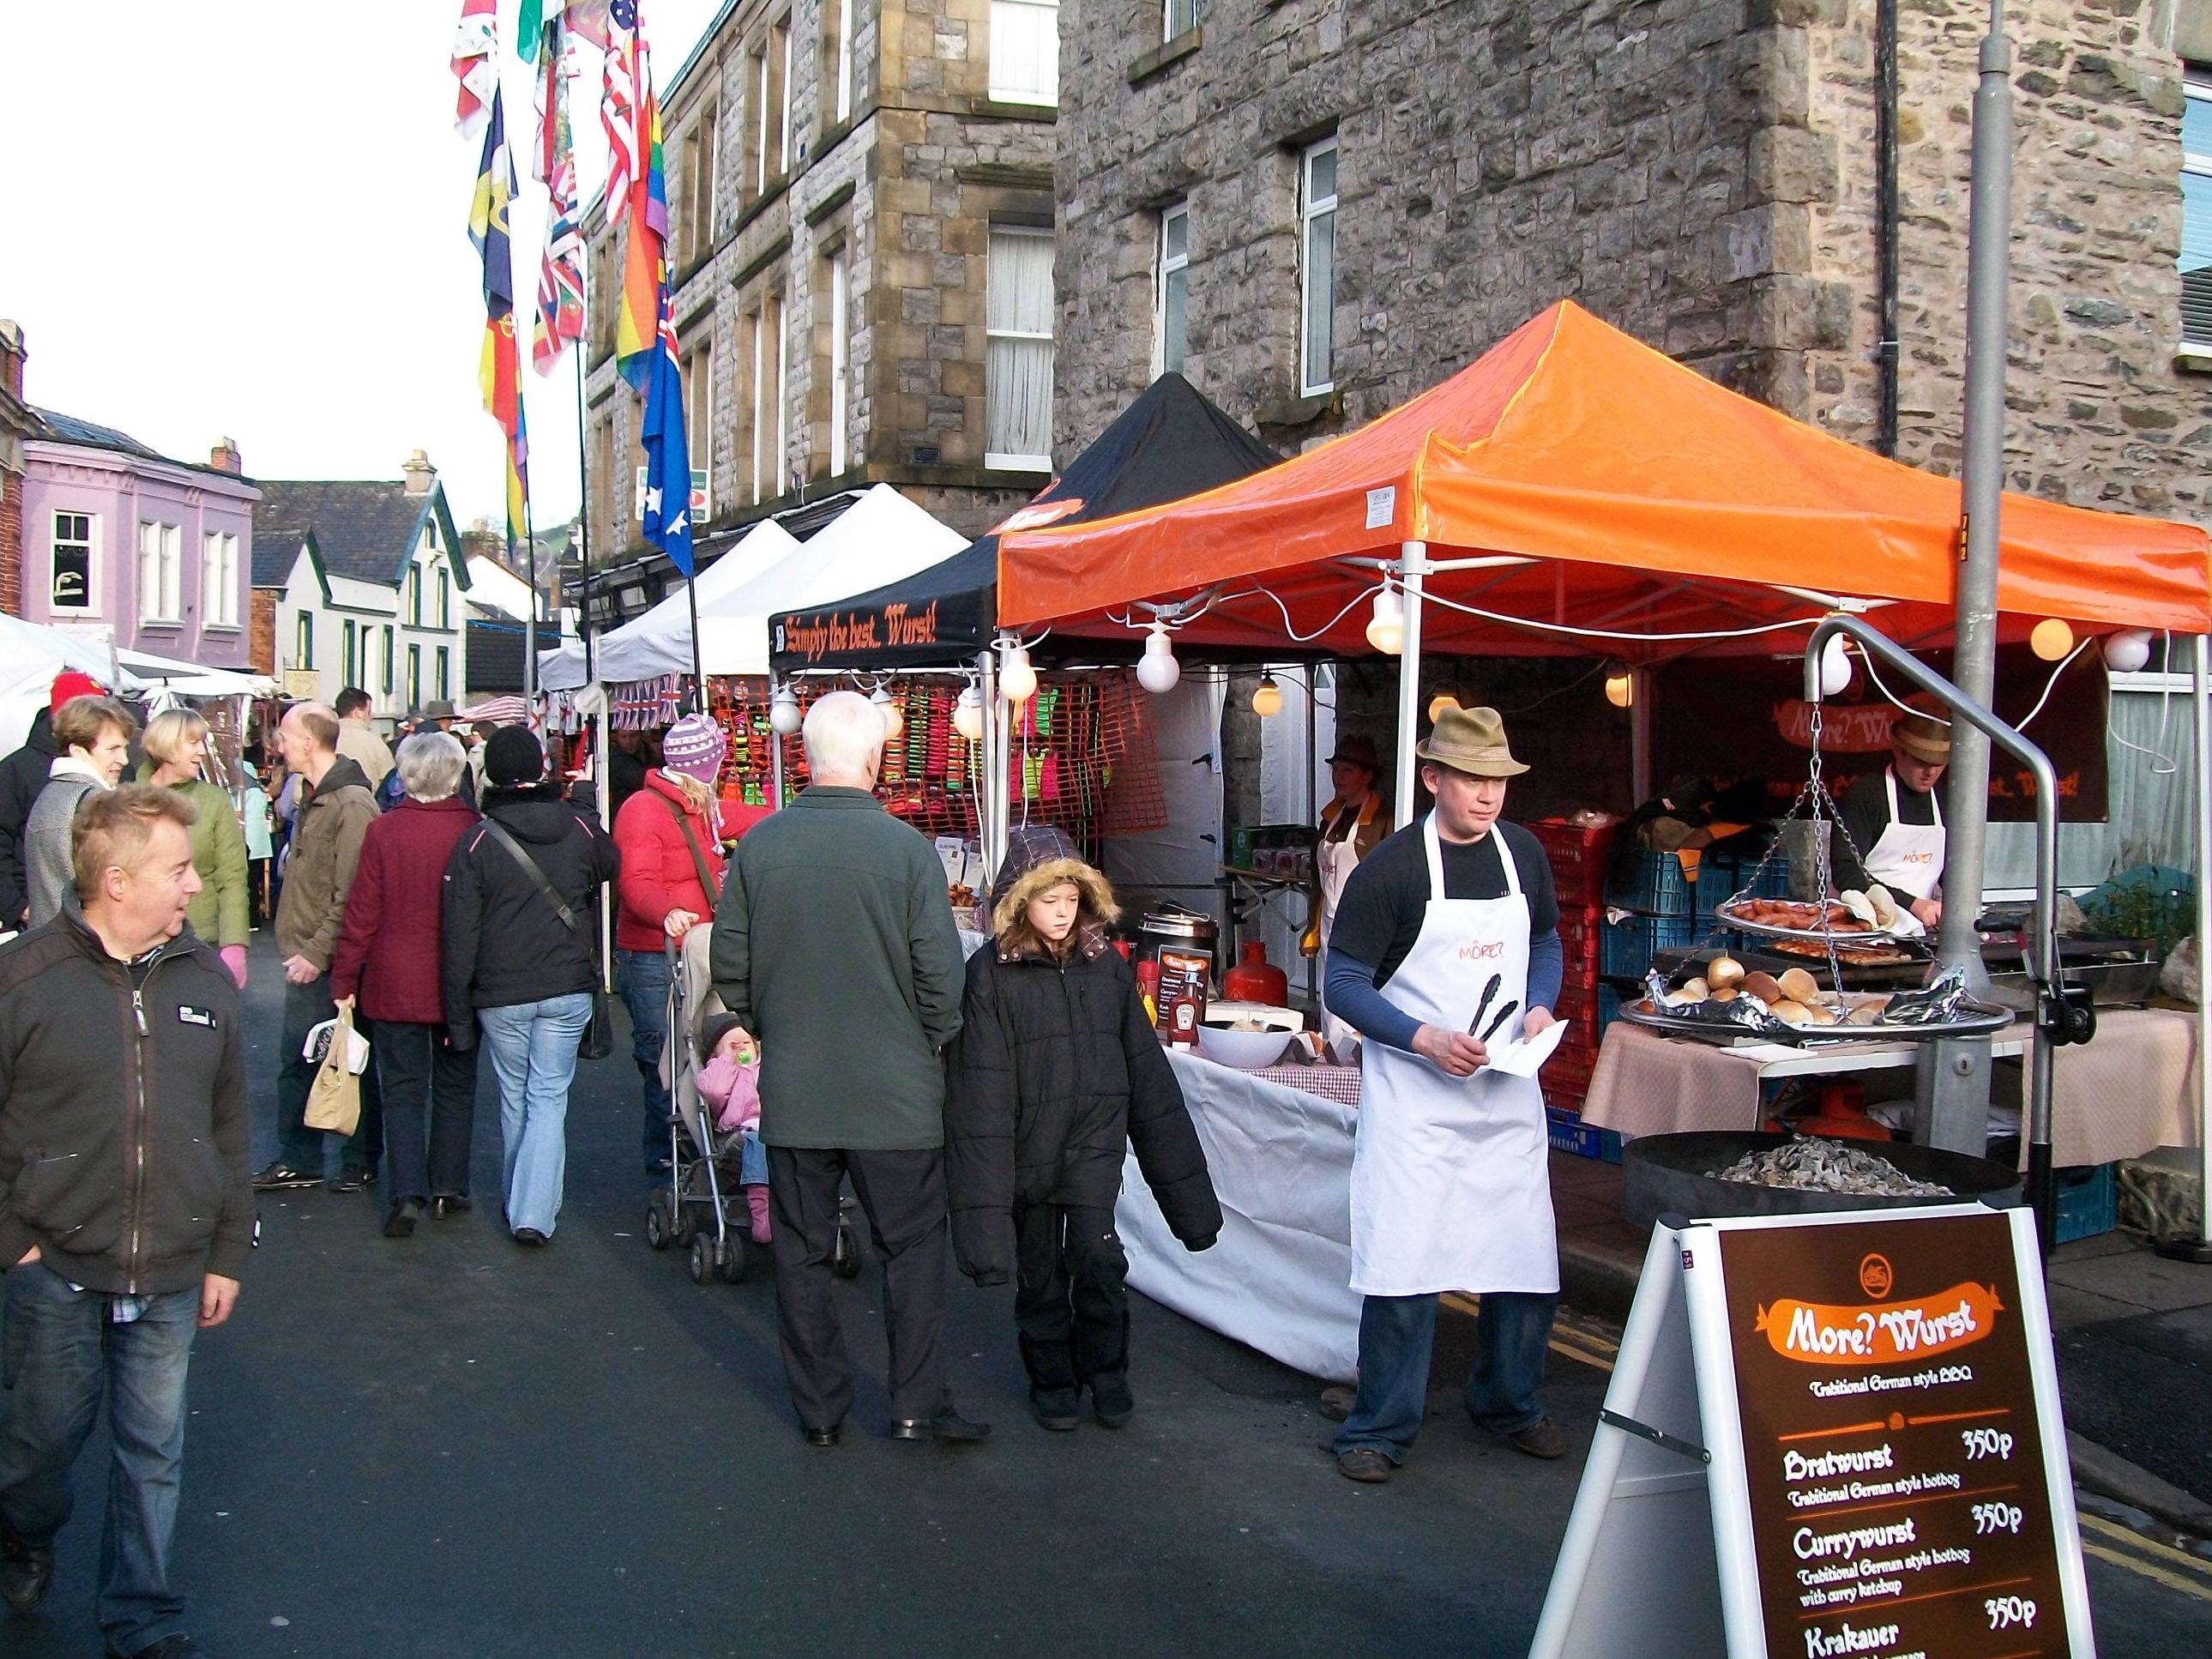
(334,1098)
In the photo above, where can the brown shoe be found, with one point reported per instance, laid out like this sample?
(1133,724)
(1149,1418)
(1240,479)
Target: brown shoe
(1336,1402)
(1542,1438)
(1365,1465)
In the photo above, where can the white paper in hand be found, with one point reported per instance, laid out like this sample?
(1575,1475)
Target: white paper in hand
(318,1044)
(1523,1057)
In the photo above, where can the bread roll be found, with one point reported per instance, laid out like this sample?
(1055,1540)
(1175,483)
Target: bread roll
(1799,986)
(1792,1014)
(1764,987)
(1724,973)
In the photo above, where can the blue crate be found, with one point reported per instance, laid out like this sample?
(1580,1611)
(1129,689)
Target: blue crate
(1720,876)
(1625,947)
(1609,999)
(2089,1201)
(1569,1133)
(1655,886)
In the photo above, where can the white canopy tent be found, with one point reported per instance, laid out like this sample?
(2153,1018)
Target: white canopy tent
(30,657)
(190,679)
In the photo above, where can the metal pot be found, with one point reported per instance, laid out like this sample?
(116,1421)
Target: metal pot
(1667,1174)
(1173,927)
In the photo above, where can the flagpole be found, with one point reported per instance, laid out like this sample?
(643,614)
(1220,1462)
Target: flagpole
(698,674)
(584,513)
(530,616)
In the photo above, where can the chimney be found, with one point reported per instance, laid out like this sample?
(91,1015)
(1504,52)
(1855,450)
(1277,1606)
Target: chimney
(12,354)
(225,458)
(421,475)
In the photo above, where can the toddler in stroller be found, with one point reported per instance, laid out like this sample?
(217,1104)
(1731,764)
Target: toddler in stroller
(730,1084)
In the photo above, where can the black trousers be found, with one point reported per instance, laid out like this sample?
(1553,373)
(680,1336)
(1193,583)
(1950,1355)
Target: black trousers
(904,1195)
(429,1096)
(1072,1298)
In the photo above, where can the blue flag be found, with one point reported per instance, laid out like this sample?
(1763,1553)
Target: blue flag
(667,521)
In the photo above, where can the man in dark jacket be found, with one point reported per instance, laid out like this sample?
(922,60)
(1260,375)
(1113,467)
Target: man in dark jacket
(834,944)
(1056,1071)
(126,1206)
(22,776)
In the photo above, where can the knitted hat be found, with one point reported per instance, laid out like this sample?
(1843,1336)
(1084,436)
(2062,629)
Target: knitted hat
(695,747)
(512,758)
(70,683)
(712,1030)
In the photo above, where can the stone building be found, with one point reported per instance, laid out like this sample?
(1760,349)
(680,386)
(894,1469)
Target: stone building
(1317,209)
(17,423)
(861,213)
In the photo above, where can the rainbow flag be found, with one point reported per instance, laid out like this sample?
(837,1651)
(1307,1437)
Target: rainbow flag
(518,482)
(645,261)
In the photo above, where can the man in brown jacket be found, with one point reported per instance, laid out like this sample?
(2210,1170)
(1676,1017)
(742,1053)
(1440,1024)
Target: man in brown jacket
(325,847)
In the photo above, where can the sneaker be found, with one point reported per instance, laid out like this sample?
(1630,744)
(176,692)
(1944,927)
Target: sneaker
(25,1572)
(1542,1438)
(1365,1465)
(1111,1399)
(352,1179)
(1057,1409)
(947,1428)
(281,1176)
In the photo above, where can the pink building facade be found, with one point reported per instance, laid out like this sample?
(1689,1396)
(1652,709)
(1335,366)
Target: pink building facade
(116,536)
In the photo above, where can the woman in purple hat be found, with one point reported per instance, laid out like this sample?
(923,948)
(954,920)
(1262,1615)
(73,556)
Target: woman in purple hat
(669,834)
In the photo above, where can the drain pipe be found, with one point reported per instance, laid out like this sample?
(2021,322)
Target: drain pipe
(1886,217)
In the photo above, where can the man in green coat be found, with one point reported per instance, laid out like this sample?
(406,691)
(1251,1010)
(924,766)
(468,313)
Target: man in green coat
(176,749)
(835,946)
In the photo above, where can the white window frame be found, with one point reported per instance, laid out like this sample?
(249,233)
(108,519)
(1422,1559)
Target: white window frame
(1170,266)
(759,400)
(1003,13)
(2196,165)
(218,579)
(699,402)
(783,100)
(845,56)
(160,557)
(446,672)
(782,455)
(841,356)
(90,544)
(445,600)
(389,637)
(1179,18)
(759,64)
(1003,459)
(303,639)
(1311,210)
(414,675)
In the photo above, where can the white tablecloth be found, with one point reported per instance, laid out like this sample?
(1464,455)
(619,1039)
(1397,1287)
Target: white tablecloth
(1279,1277)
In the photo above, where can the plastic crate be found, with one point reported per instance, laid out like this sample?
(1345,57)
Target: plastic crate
(1609,999)
(2089,1201)
(1719,877)
(1567,1076)
(1581,932)
(1579,857)
(1627,944)
(1657,885)
(1569,1133)
(1580,1004)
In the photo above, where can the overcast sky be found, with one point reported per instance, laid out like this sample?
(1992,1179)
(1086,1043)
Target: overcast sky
(250,220)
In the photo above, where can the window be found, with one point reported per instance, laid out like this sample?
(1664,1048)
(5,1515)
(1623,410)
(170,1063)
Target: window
(1018,366)
(414,677)
(1025,50)
(445,599)
(2196,216)
(699,403)
(350,652)
(219,580)
(1317,268)
(415,595)
(445,673)
(1171,304)
(770,438)
(387,659)
(303,639)
(840,353)
(605,297)
(844,62)
(695,228)
(771,92)
(160,572)
(71,586)
(1182,18)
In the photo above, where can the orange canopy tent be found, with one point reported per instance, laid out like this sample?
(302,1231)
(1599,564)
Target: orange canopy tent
(1595,495)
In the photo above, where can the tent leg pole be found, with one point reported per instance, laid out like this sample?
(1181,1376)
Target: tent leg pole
(1639,735)
(775,755)
(1415,570)
(995,817)
(2182,1247)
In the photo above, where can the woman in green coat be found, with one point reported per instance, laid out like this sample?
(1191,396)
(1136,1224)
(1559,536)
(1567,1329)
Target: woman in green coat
(176,749)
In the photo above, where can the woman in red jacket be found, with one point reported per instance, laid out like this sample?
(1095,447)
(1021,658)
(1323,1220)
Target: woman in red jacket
(669,834)
(388,956)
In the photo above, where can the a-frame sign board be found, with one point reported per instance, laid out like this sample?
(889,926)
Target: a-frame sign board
(1829,1435)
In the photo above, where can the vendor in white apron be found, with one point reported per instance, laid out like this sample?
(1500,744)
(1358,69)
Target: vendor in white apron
(1445,944)
(1895,817)
(1352,825)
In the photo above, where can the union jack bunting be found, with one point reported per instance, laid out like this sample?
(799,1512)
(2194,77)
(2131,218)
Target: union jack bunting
(561,272)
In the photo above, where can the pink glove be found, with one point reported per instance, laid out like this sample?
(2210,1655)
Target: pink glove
(233,957)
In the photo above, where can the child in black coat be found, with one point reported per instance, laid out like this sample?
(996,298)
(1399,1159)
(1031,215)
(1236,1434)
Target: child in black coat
(1056,1071)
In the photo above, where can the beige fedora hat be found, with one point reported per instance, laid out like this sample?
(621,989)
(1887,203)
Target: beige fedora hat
(1922,735)
(1471,740)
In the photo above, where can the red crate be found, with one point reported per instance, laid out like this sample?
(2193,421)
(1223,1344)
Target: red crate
(1579,857)
(1566,1077)
(1578,1003)
(1581,934)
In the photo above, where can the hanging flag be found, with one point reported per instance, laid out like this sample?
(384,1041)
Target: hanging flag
(588,20)
(645,267)
(561,272)
(475,62)
(528,27)
(618,106)
(497,366)
(666,521)
(518,482)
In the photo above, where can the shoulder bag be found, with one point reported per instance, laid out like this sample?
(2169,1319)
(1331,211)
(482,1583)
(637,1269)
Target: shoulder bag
(707,884)
(598,1039)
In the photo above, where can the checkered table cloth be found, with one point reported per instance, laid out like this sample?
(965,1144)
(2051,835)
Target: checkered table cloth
(1338,1083)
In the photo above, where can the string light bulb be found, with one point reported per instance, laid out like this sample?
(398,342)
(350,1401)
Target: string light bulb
(1386,628)
(1438,703)
(967,714)
(2128,652)
(783,716)
(1267,697)
(1835,666)
(1621,687)
(1018,681)
(894,719)
(2051,639)
(1157,671)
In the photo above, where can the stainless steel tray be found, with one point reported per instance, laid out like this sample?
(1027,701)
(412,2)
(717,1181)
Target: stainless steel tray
(1871,939)
(1985,1019)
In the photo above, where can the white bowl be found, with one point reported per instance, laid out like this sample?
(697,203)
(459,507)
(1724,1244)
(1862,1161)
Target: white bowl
(1247,1051)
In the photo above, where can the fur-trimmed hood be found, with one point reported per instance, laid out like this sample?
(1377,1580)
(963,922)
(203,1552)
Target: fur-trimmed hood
(1037,860)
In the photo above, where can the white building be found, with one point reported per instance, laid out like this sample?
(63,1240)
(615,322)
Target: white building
(370,588)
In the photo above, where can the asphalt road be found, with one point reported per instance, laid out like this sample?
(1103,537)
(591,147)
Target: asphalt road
(452,1446)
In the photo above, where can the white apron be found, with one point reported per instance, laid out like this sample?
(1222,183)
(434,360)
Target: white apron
(1337,860)
(1909,857)
(1451,1176)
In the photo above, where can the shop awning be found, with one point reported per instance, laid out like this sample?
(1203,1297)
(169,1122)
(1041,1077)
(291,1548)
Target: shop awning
(1613,490)
(1172,442)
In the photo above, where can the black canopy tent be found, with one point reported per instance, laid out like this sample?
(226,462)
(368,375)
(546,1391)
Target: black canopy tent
(1172,442)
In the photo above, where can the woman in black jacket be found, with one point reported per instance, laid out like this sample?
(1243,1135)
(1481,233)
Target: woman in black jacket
(515,965)
(1055,1071)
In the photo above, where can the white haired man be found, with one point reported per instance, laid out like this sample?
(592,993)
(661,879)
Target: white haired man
(834,944)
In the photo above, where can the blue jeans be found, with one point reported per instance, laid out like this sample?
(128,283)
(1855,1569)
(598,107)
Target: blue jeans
(533,1054)
(1396,1335)
(641,979)
(62,1355)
